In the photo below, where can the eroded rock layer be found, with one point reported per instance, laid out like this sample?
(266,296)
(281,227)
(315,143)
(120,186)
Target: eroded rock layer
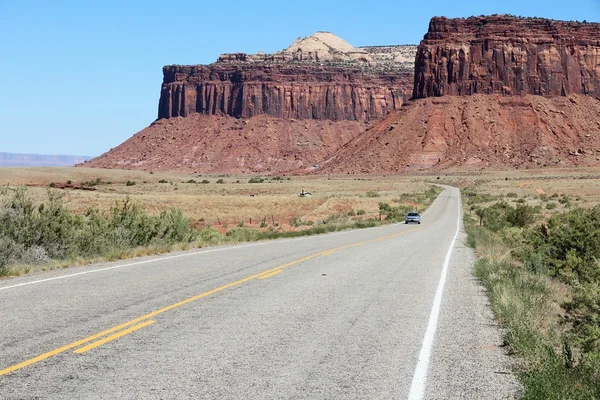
(222,144)
(479,131)
(508,55)
(305,91)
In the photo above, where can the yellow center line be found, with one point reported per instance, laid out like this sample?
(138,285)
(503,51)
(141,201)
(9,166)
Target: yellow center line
(271,274)
(113,337)
(78,343)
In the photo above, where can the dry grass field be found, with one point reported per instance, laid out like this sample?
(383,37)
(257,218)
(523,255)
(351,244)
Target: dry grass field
(574,182)
(236,200)
(220,204)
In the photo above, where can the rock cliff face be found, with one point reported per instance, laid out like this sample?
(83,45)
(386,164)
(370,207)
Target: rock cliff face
(283,91)
(319,77)
(508,55)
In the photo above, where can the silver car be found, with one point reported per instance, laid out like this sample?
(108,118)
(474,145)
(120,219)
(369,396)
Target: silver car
(412,217)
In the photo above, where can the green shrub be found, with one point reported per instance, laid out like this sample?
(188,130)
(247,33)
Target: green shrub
(501,215)
(205,181)
(191,181)
(550,206)
(220,180)
(52,184)
(299,222)
(256,179)
(130,183)
(360,212)
(210,235)
(564,200)
(33,234)
(69,182)
(163,181)
(512,195)
(372,194)
(393,214)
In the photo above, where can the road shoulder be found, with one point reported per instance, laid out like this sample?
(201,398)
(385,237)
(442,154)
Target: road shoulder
(468,361)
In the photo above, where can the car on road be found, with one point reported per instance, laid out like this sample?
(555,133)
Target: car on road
(412,217)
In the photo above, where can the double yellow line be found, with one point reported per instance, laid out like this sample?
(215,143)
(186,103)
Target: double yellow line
(133,325)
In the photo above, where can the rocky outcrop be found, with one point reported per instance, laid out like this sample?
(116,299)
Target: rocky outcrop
(282,91)
(508,55)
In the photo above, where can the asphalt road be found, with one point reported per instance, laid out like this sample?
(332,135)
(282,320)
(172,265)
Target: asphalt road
(381,313)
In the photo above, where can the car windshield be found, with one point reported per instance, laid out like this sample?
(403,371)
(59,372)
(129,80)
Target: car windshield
(413,214)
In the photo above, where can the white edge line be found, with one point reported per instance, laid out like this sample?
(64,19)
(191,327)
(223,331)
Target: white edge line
(170,257)
(131,264)
(417,388)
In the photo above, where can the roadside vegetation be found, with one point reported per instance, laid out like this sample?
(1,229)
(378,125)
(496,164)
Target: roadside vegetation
(541,270)
(45,234)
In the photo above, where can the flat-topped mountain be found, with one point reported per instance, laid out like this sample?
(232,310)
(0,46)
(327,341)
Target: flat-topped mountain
(39,160)
(285,111)
(326,49)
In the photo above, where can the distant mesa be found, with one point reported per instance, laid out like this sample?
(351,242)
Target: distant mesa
(326,47)
(39,160)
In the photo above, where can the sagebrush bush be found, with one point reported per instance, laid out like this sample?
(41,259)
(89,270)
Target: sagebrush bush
(502,215)
(394,214)
(35,234)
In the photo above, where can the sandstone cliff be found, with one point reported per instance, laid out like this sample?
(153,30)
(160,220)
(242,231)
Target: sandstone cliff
(508,55)
(282,91)
(319,77)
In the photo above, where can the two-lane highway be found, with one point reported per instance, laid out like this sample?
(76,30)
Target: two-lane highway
(389,312)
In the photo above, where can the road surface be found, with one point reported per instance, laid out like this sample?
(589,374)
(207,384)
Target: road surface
(382,313)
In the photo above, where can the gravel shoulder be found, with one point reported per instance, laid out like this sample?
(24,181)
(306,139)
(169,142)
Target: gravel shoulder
(468,360)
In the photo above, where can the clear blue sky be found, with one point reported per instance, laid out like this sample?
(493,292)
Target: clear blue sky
(80,77)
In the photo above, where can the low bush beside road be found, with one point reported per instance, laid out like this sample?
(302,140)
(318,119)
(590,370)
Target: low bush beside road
(34,234)
(542,275)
